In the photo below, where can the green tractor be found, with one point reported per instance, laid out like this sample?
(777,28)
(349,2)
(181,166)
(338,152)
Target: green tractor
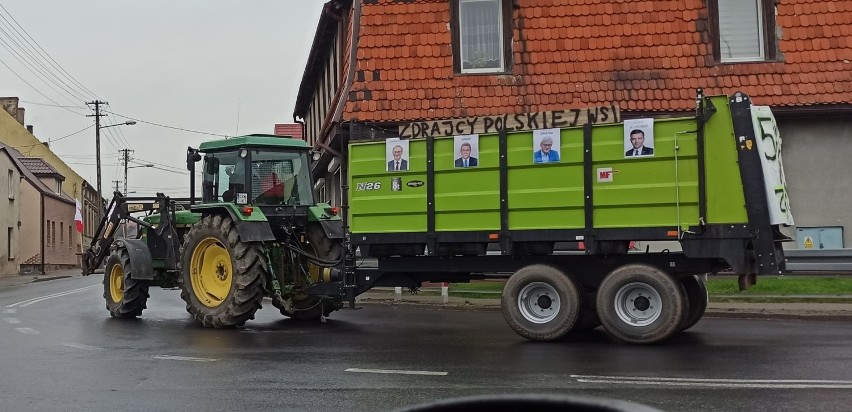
(256,233)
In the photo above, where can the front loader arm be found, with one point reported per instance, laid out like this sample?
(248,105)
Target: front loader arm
(97,251)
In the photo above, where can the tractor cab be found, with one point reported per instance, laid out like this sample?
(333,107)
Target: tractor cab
(270,172)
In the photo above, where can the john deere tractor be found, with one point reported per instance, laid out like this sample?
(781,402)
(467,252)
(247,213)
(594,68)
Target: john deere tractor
(256,233)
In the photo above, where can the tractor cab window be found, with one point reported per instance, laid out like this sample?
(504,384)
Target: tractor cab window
(280,178)
(224,176)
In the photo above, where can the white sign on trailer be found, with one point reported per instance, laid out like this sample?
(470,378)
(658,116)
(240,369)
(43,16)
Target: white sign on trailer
(769,144)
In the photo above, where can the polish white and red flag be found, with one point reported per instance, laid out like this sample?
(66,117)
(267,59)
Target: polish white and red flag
(78,216)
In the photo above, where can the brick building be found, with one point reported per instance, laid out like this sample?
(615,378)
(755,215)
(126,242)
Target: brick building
(376,64)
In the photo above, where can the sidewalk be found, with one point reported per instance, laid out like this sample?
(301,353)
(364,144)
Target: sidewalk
(17,280)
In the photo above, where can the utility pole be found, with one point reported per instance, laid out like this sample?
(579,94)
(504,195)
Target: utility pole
(126,160)
(117,182)
(97,117)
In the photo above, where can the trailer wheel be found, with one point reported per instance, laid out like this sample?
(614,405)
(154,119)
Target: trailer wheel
(125,297)
(221,277)
(640,304)
(696,294)
(541,303)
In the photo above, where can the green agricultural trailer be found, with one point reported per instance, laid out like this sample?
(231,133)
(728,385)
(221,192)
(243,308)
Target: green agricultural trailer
(711,185)
(552,202)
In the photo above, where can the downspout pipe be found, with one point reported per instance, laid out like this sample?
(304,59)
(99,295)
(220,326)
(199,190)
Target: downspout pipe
(353,53)
(44,228)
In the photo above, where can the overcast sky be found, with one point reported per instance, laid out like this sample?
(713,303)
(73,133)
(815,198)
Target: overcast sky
(217,66)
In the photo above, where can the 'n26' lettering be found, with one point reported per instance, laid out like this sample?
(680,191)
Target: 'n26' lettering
(369,186)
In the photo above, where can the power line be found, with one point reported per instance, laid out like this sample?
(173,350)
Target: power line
(34,88)
(92,164)
(160,164)
(53,105)
(168,127)
(42,52)
(118,131)
(72,134)
(27,64)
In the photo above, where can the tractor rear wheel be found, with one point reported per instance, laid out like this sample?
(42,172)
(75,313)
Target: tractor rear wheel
(307,307)
(221,276)
(125,296)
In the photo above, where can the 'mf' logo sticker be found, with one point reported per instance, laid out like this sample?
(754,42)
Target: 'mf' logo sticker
(605,174)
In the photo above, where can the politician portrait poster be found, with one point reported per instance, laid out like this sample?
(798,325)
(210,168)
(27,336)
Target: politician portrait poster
(638,138)
(546,146)
(396,154)
(466,150)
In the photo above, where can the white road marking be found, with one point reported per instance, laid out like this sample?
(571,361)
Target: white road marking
(10,311)
(184,358)
(80,346)
(12,320)
(397,372)
(717,383)
(28,331)
(28,302)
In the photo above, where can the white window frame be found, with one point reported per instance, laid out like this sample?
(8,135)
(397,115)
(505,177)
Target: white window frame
(761,35)
(11,184)
(501,58)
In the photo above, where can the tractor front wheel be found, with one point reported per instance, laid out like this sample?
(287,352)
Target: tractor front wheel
(125,296)
(221,276)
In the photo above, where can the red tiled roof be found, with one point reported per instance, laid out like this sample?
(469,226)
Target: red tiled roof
(643,55)
(38,166)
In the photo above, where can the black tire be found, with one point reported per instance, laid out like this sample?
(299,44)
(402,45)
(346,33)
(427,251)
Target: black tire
(696,295)
(307,307)
(221,276)
(541,303)
(641,304)
(587,321)
(126,298)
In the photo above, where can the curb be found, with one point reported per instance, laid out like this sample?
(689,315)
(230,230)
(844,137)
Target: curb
(742,310)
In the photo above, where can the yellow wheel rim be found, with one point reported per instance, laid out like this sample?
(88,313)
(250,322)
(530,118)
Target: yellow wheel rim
(211,272)
(116,283)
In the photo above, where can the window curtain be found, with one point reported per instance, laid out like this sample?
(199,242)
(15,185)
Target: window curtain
(740,30)
(481,35)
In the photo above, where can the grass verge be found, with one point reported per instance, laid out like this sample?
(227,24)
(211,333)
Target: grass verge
(722,288)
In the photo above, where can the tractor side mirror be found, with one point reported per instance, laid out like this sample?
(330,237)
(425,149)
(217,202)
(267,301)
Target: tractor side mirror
(211,165)
(192,156)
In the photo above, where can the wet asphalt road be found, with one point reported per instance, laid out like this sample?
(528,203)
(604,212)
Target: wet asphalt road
(62,352)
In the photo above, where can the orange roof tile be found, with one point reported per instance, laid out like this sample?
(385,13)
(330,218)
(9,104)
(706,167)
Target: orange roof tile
(644,55)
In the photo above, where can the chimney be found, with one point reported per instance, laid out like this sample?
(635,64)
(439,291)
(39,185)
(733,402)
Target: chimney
(30,128)
(10,105)
(46,144)
(19,115)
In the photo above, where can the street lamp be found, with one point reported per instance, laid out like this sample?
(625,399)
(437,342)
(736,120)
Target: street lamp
(98,128)
(125,173)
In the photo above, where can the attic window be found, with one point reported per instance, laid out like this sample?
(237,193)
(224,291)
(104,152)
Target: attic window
(11,184)
(745,30)
(481,36)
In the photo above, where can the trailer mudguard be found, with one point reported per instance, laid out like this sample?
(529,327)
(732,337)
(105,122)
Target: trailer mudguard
(140,258)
